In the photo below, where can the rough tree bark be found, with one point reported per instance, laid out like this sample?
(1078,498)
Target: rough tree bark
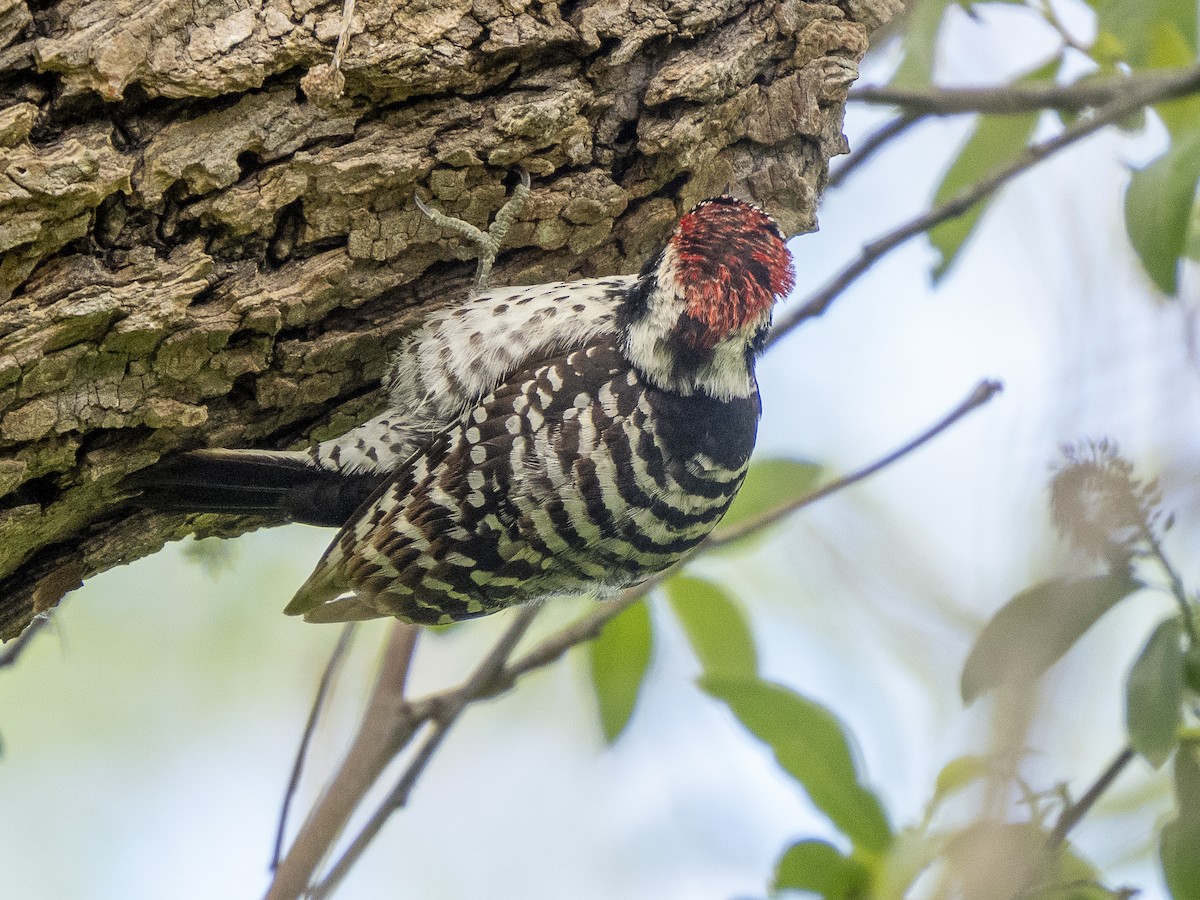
(208,238)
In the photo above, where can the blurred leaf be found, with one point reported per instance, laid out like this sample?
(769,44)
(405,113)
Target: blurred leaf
(819,867)
(995,142)
(1076,878)
(1180,838)
(912,852)
(715,627)
(1191,668)
(1036,627)
(1107,50)
(619,659)
(1158,207)
(810,745)
(1004,860)
(1001,858)
(770,483)
(1132,31)
(1154,694)
(1169,49)
(920,43)
(1191,246)
(958,774)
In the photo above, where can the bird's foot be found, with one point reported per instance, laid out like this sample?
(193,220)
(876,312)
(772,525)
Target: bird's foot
(487,242)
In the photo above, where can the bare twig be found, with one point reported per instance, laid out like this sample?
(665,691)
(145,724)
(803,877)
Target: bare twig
(385,729)
(444,713)
(1055,22)
(980,394)
(1025,97)
(331,667)
(871,145)
(1138,95)
(1178,591)
(1073,813)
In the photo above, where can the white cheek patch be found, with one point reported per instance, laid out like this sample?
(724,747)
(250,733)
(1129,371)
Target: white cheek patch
(648,345)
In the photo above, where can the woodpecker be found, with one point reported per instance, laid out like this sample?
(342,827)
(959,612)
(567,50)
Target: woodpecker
(540,440)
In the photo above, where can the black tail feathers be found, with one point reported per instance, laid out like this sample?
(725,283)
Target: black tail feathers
(253,482)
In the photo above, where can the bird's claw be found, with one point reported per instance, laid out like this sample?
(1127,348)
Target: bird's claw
(487,242)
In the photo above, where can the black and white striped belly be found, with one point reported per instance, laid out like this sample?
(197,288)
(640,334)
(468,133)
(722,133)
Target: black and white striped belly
(574,475)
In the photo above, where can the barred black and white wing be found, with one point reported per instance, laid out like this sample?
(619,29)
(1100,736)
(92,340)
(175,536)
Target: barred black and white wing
(574,474)
(460,354)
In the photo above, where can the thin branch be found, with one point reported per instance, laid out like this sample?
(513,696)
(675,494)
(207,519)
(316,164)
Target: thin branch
(1052,18)
(871,145)
(578,632)
(359,845)
(1139,95)
(444,713)
(385,728)
(1177,589)
(1022,97)
(1073,813)
(980,394)
(335,661)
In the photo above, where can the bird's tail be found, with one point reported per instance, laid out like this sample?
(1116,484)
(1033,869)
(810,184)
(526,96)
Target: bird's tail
(253,482)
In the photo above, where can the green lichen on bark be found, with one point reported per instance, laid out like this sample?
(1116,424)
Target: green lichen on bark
(204,243)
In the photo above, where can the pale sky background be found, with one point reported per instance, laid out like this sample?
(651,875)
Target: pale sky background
(147,735)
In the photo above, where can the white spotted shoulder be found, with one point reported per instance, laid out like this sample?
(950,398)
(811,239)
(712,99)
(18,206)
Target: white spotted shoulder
(460,354)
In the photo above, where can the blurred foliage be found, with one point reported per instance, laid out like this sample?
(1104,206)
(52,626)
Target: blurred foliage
(1133,38)
(619,658)
(1097,503)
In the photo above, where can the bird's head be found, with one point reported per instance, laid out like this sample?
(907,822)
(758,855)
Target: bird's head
(706,300)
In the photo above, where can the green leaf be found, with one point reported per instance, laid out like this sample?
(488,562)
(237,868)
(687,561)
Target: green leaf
(715,627)
(1158,207)
(810,745)
(1036,627)
(819,867)
(1181,836)
(959,773)
(619,659)
(1131,31)
(1191,243)
(920,44)
(1169,49)
(771,483)
(995,141)
(1154,694)
(1191,668)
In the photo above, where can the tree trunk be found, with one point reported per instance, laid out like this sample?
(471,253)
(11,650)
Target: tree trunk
(208,234)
